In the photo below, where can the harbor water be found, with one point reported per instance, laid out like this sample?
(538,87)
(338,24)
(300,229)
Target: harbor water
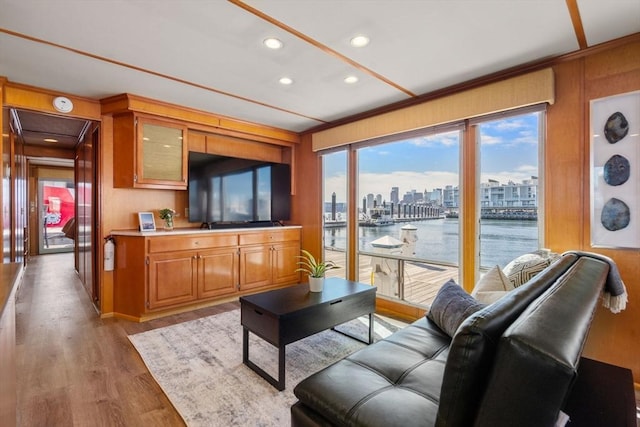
(501,240)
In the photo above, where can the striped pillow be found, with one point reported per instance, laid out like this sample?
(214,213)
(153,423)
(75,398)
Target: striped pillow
(523,268)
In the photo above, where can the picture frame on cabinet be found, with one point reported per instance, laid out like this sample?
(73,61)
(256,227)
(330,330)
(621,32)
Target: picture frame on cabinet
(615,167)
(147,222)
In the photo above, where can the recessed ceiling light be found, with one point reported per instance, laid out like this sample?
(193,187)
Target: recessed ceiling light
(50,140)
(272,43)
(350,79)
(285,81)
(359,41)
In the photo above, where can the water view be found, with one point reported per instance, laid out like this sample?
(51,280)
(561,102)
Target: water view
(501,240)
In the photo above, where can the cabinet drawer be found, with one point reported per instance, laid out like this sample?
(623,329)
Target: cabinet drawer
(261,323)
(180,243)
(269,236)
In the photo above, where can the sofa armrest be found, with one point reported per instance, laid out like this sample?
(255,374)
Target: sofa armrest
(538,354)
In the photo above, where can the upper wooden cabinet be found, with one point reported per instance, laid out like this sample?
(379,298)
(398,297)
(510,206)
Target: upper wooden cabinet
(149,153)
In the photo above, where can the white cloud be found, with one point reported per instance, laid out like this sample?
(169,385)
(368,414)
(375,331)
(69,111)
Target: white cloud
(491,140)
(448,139)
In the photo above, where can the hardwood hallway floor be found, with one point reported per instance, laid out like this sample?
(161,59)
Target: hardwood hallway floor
(75,369)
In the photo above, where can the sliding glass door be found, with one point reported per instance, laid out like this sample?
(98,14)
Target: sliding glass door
(56,215)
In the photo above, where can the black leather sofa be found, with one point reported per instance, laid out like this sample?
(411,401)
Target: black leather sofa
(512,363)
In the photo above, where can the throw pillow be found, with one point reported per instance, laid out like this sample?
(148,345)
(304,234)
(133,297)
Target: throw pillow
(451,306)
(493,285)
(523,268)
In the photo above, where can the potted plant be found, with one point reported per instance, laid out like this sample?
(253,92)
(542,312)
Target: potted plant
(315,269)
(167,214)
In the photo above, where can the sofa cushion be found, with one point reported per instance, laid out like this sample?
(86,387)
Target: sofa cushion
(493,285)
(451,306)
(367,387)
(473,347)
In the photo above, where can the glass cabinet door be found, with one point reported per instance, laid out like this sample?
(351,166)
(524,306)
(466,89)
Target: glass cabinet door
(162,152)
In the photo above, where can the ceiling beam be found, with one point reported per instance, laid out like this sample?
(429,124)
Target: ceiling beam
(576,20)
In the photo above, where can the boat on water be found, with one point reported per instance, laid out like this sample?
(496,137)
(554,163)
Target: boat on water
(378,217)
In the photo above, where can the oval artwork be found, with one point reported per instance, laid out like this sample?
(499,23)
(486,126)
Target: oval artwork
(616,170)
(616,127)
(615,215)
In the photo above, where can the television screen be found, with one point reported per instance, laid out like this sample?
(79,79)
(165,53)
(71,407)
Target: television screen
(226,189)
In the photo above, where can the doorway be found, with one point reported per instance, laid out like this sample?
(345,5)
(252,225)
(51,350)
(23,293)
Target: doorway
(56,219)
(62,178)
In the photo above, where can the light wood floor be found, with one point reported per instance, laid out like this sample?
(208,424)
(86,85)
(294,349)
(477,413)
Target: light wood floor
(75,369)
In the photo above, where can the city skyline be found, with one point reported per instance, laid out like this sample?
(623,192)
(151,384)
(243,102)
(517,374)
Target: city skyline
(509,152)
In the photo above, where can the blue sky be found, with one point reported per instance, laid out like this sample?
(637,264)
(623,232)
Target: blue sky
(509,151)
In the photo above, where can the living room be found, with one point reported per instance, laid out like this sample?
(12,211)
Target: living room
(572,81)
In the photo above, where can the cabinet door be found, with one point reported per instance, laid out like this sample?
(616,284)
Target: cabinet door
(284,262)
(255,267)
(162,152)
(172,279)
(217,272)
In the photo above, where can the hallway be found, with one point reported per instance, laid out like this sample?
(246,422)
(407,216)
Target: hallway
(75,369)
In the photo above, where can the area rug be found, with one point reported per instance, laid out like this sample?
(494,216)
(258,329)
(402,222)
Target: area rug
(198,365)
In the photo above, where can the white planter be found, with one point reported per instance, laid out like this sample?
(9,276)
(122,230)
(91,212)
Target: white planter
(316,284)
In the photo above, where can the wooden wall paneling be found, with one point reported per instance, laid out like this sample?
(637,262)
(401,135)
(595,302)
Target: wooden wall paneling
(60,153)
(237,147)
(38,99)
(289,157)
(19,179)
(352,215)
(34,223)
(306,205)
(123,133)
(197,119)
(107,209)
(254,129)
(128,102)
(614,338)
(469,210)
(197,142)
(563,175)
(6,172)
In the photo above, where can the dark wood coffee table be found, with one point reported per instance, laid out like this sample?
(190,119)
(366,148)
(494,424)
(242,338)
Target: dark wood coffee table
(286,315)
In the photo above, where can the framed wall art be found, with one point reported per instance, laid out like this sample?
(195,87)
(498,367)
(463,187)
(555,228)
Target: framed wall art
(615,171)
(147,222)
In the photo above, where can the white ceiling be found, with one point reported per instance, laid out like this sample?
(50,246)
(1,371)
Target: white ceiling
(208,54)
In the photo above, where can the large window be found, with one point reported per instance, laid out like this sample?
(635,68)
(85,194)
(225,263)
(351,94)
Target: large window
(408,241)
(414,203)
(509,187)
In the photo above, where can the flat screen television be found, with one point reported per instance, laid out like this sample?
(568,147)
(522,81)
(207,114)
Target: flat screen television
(229,190)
